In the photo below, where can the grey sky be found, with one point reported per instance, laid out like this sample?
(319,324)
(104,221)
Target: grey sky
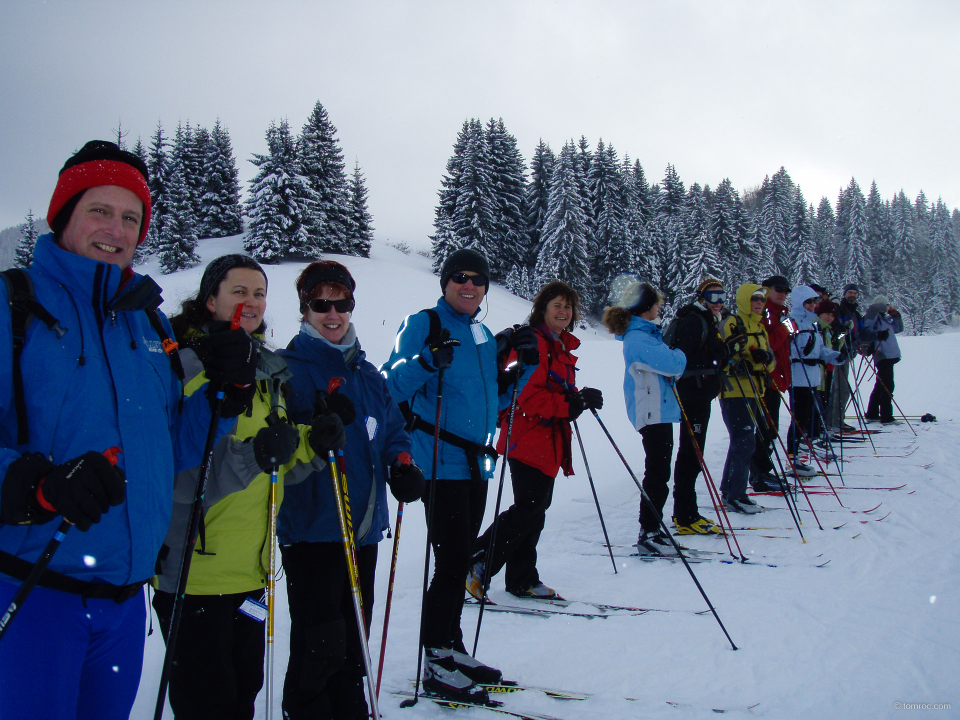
(829,90)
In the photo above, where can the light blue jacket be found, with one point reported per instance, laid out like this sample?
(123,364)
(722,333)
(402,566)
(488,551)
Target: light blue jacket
(470,394)
(875,322)
(651,368)
(124,393)
(810,373)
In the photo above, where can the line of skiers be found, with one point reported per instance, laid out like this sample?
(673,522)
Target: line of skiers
(94,366)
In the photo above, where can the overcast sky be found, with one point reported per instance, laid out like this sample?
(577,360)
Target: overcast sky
(830,90)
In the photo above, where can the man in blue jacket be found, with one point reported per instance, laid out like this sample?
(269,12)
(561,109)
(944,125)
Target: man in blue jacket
(101,380)
(467,353)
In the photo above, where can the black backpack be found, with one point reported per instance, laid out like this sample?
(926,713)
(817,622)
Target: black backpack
(670,333)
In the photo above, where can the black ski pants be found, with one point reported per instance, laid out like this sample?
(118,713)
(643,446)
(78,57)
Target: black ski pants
(518,528)
(687,467)
(218,659)
(455,514)
(881,399)
(802,422)
(324,679)
(766,435)
(657,451)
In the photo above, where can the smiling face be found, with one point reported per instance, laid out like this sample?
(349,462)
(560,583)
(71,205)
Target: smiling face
(332,325)
(240,285)
(105,225)
(558,314)
(464,298)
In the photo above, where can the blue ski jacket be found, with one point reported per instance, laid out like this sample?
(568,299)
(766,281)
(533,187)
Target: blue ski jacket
(651,367)
(470,393)
(374,440)
(106,382)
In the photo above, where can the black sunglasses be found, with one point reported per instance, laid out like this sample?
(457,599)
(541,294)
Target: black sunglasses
(782,288)
(461,278)
(323,306)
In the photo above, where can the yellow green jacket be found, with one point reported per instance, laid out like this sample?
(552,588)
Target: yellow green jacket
(742,367)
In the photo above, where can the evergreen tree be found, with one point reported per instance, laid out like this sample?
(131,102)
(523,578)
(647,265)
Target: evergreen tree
(857,264)
(321,163)
(879,236)
(139,150)
(775,224)
(158,170)
(671,193)
(611,251)
(563,251)
(444,241)
(280,202)
(538,196)
(474,220)
(946,257)
(700,253)
(28,240)
(804,266)
(724,231)
(641,190)
(509,184)
(823,240)
(361,221)
(220,199)
(178,241)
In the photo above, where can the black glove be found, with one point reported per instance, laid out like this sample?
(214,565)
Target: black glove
(592,398)
(811,343)
(441,351)
(506,378)
(883,335)
(326,434)
(228,356)
(236,400)
(733,345)
(406,479)
(336,403)
(503,341)
(576,405)
(524,341)
(275,444)
(761,357)
(81,490)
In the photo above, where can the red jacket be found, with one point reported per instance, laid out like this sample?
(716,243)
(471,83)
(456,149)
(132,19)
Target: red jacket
(779,336)
(541,425)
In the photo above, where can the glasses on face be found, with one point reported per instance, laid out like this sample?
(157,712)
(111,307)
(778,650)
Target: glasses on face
(782,288)
(715,297)
(323,306)
(461,278)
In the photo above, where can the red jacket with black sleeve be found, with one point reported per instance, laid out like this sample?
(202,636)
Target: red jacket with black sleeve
(541,424)
(779,336)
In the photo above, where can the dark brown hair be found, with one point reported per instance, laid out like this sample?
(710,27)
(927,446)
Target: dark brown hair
(549,292)
(194,312)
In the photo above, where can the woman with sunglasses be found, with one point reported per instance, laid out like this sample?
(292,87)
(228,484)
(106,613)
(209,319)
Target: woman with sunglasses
(698,336)
(326,669)
(218,658)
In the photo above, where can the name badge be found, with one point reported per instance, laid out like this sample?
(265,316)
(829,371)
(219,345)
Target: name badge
(479,336)
(253,609)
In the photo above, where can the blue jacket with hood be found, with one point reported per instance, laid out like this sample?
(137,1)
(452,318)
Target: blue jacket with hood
(809,373)
(122,393)
(651,366)
(374,440)
(470,392)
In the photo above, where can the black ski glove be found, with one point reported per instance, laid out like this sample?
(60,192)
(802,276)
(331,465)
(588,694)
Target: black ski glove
(524,341)
(81,490)
(275,444)
(327,434)
(440,352)
(761,357)
(575,405)
(236,400)
(228,356)
(336,403)
(883,335)
(506,378)
(592,398)
(406,479)
(733,345)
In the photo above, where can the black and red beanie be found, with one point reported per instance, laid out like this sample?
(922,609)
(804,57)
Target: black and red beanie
(97,163)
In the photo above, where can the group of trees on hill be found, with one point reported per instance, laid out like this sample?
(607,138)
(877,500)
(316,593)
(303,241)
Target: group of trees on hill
(301,202)
(586,216)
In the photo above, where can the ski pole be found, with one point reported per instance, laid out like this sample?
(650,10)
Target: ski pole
(666,531)
(858,409)
(410,702)
(342,498)
(596,500)
(16,604)
(386,609)
(488,558)
(876,374)
(272,419)
(708,479)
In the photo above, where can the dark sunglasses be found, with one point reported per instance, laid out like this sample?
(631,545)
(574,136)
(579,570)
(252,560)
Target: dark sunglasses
(461,278)
(715,297)
(323,306)
(782,288)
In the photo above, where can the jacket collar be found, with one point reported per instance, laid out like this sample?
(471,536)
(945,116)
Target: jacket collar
(444,308)
(567,340)
(315,346)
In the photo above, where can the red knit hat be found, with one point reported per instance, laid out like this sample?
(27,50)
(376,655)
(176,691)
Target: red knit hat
(826,306)
(99,163)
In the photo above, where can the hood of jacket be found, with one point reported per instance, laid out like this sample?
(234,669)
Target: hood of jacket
(805,318)
(750,318)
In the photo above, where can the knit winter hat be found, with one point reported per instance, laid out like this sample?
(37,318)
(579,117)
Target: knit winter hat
(848,288)
(708,282)
(826,306)
(98,163)
(639,297)
(217,270)
(880,302)
(461,260)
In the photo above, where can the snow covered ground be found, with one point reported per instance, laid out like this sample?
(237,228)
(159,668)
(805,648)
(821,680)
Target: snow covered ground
(876,626)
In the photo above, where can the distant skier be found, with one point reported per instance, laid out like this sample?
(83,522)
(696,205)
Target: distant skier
(849,321)
(881,324)
(650,369)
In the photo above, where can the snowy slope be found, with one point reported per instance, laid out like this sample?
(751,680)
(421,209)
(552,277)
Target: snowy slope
(878,624)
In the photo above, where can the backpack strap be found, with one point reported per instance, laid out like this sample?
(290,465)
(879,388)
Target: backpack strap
(23,308)
(170,347)
(432,334)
